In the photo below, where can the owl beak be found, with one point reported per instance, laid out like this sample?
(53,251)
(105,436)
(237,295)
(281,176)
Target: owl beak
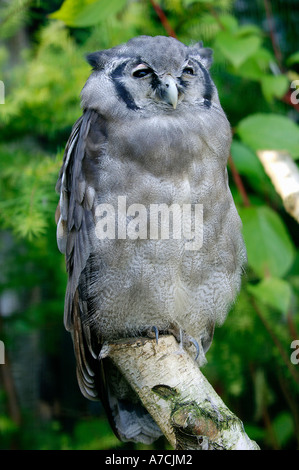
(169,90)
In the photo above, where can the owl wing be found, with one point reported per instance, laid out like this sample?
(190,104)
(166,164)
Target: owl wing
(75,232)
(75,218)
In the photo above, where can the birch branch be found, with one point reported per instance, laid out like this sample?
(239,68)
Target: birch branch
(284,174)
(178,396)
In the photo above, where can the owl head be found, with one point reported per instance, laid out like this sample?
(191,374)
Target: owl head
(149,75)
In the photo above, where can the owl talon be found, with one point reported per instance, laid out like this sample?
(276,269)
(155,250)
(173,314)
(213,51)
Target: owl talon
(195,343)
(188,339)
(184,339)
(156,333)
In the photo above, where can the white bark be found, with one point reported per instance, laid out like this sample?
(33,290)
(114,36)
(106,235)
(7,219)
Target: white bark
(177,395)
(284,175)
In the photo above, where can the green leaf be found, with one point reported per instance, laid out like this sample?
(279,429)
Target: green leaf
(274,292)
(254,432)
(270,132)
(255,67)
(237,49)
(186,3)
(293,59)
(229,22)
(246,161)
(274,86)
(249,29)
(270,250)
(7,425)
(94,434)
(250,167)
(84,13)
(70,10)
(283,425)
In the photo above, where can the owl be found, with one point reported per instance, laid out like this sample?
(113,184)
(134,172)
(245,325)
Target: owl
(146,220)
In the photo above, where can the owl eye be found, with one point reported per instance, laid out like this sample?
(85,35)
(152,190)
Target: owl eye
(188,71)
(142,72)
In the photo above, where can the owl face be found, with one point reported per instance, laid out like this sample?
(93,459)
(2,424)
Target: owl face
(150,75)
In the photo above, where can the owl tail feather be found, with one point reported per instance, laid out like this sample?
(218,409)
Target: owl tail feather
(128,419)
(132,422)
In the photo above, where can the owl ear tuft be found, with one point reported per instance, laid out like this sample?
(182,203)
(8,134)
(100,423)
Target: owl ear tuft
(204,54)
(97,59)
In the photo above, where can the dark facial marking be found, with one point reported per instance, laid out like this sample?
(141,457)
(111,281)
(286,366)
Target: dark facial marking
(155,82)
(183,83)
(121,90)
(208,85)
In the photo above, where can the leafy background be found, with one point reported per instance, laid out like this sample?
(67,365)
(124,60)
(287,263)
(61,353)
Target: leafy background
(42,49)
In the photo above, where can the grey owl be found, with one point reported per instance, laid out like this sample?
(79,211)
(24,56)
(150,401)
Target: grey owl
(152,142)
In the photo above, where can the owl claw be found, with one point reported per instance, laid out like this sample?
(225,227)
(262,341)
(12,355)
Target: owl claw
(183,338)
(156,332)
(193,341)
(189,339)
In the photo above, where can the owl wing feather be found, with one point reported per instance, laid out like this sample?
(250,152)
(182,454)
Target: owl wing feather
(75,226)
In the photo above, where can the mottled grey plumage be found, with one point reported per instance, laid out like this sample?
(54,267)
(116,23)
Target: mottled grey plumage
(152,130)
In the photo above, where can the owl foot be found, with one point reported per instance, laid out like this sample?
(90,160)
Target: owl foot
(180,335)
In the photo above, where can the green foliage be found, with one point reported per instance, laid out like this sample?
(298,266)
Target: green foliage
(43,68)
(274,292)
(274,86)
(236,46)
(269,247)
(42,99)
(283,427)
(31,202)
(293,59)
(86,435)
(12,15)
(270,131)
(80,13)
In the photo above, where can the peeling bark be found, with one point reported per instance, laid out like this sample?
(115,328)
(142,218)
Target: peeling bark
(284,174)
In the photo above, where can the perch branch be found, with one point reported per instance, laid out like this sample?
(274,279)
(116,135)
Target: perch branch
(284,175)
(178,396)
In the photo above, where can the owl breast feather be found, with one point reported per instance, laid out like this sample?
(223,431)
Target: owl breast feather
(170,143)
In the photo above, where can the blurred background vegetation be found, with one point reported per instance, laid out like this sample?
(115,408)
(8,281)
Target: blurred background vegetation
(42,65)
